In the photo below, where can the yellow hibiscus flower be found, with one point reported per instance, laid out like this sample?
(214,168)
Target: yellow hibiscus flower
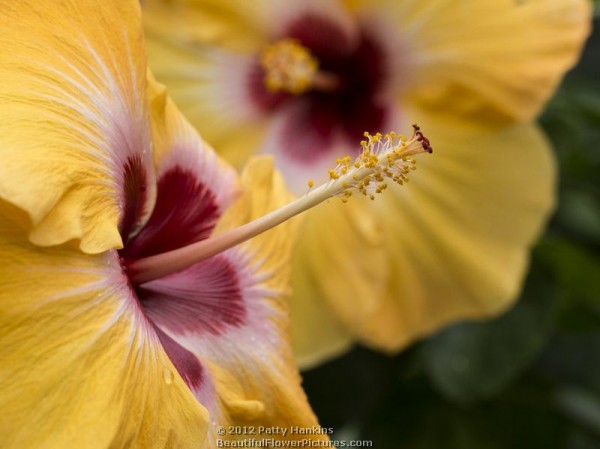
(302,79)
(99,172)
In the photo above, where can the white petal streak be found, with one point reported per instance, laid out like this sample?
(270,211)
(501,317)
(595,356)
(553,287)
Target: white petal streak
(222,83)
(102,106)
(190,152)
(258,337)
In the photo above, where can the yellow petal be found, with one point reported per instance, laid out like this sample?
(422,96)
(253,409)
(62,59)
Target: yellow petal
(491,60)
(177,144)
(252,377)
(278,387)
(73,118)
(236,24)
(80,366)
(458,235)
(317,334)
(210,88)
(339,276)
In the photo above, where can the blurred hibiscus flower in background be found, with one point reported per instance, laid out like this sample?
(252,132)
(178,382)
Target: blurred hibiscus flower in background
(303,79)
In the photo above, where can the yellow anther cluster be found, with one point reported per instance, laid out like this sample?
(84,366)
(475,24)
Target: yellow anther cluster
(383,157)
(288,67)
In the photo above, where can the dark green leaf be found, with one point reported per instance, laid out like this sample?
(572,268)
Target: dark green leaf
(583,440)
(415,417)
(574,360)
(577,269)
(581,406)
(580,212)
(472,361)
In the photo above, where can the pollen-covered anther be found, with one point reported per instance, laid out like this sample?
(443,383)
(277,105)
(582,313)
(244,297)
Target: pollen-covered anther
(288,67)
(383,157)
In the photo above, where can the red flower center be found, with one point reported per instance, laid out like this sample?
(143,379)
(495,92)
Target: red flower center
(356,105)
(206,297)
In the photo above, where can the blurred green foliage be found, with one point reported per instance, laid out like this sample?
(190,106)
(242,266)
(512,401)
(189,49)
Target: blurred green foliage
(472,361)
(528,379)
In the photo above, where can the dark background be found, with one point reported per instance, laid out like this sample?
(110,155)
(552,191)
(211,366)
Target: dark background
(529,379)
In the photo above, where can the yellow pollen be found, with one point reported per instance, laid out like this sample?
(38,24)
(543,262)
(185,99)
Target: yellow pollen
(383,156)
(311,183)
(288,67)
